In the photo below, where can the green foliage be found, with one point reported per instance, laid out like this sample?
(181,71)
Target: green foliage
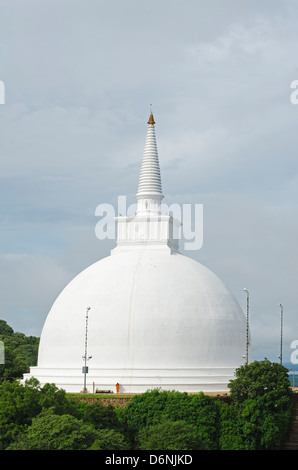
(5,329)
(100,416)
(109,439)
(149,408)
(230,431)
(262,379)
(49,431)
(170,435)
(20,352)
(20,404)
(261,403)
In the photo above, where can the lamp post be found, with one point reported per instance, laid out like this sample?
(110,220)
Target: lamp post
(281,329)
(247,322)
(85,357)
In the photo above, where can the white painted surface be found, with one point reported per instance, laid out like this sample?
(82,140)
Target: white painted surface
(157,318)
(150,311)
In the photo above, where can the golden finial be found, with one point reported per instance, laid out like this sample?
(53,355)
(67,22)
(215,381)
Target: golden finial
(151,118)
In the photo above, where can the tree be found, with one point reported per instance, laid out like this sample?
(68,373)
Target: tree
(50,396)
(19,404)
(262,379)
(5,329)
(261,402)
(100,416)
(49,431)
(149,408)
(109,439)
(170,435)
(20,352)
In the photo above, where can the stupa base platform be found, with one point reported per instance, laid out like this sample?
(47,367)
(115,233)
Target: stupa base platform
(204,379)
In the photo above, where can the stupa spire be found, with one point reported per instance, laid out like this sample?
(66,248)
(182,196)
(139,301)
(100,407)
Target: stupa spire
(151,119)
(150,226)
(149,193)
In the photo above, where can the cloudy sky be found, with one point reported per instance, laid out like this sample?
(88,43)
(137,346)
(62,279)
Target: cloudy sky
(79,78)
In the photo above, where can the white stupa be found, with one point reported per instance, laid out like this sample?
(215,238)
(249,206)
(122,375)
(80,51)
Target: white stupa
(157,318)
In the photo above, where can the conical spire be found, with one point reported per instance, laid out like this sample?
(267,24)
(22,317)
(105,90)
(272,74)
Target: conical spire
(151,120)
(150,180)
(151,226)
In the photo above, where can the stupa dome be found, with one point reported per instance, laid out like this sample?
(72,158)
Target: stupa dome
(157,318)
